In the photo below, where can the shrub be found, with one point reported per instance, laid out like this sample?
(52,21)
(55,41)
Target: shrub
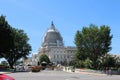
(36,68)
(3,67)
(88,63)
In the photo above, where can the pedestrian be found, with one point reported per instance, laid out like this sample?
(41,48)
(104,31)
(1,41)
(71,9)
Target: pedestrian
(107,70)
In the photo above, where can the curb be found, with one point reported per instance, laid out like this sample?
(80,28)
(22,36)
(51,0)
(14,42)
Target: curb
(83,72)
(89,73)
(5,72)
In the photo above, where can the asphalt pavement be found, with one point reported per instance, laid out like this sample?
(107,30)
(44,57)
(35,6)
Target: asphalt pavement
(60,75)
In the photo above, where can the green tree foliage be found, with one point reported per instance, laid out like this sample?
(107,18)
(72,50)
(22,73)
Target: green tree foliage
(6,38)
(117,62)
(44,58)
(92,42)
(88,63)
(21,47)
(110,61)
(4,63)
(14,43)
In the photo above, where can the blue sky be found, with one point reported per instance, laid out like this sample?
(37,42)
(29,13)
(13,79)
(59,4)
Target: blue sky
(35,16)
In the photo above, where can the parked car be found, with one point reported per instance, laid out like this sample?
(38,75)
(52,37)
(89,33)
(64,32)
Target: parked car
(6,77)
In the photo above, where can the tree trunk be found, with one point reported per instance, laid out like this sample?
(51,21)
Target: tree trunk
(94,59)
(11,64)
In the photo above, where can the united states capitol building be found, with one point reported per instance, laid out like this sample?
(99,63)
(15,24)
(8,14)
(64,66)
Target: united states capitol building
(53,47)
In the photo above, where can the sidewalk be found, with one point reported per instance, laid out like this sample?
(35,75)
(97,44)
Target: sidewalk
(89,72)
(80,71)
(4,72)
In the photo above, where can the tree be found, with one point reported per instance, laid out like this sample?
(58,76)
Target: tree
(15,43)
(4,63)
(44,58)
(110,61)
(6,38)
(87,63)
(93,42)
(21,47)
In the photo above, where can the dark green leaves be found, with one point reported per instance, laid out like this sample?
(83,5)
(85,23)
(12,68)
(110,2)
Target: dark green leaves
(13,42)
(44,58)
(93,42)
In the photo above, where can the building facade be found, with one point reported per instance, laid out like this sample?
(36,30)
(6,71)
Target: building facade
(54,48)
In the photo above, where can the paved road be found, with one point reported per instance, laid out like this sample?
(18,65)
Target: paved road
(61,75)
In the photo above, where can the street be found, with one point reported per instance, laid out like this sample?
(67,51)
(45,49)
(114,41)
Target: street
(60,75)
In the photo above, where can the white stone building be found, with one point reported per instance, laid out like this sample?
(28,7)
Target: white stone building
(53,46)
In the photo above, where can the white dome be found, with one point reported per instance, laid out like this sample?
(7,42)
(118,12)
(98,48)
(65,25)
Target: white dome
(52,37)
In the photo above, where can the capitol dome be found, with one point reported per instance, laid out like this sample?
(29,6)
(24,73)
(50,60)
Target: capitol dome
(52,38)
